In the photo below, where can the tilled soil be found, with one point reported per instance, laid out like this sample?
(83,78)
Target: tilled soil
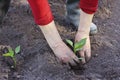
(36,60)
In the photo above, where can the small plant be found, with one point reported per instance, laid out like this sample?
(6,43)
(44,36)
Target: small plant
(77,46)
(12,53)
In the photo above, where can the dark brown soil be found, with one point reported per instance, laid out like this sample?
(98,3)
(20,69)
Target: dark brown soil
(36,60)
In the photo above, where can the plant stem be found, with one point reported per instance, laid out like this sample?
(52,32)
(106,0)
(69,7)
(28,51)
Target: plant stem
(14,59)
(74,50)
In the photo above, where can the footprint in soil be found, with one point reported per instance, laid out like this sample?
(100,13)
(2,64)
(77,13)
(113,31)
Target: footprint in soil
(94,76)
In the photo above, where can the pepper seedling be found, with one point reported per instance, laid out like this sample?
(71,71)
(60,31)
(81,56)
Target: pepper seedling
(12,53)
(77,46)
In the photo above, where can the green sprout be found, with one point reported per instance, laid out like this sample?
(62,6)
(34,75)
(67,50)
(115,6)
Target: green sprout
(12,53)
(77,46)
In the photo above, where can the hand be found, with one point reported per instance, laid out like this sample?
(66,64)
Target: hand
(85,53)
(57,45)
(65,54)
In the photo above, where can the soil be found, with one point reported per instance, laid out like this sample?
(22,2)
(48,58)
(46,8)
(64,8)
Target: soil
(36,60)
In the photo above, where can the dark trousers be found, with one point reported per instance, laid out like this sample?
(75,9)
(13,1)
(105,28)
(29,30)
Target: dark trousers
(4,5)
(73,12)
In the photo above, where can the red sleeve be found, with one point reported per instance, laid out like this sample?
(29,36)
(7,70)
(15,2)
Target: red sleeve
(89,6)
(41,11)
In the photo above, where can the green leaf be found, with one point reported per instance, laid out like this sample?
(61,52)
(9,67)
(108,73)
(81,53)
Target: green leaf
(11,52)
(7,55)
(69,42)
(78,49)
(17,49)
(80,44)
(80,58)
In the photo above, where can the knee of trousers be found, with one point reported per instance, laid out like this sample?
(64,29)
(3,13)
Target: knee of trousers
(73,12)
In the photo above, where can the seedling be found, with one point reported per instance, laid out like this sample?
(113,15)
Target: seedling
(12,53)
(77,46)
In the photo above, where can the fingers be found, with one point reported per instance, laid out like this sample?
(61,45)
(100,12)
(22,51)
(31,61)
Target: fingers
(65,59)
(75,58)
(72,63)
(72,60)
(86,55)
(82,55)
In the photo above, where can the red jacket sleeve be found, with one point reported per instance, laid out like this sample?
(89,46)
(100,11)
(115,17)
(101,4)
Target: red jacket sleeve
(41,11)
(89,6)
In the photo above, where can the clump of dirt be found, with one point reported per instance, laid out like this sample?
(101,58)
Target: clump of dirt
(4,68)
(36,60)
